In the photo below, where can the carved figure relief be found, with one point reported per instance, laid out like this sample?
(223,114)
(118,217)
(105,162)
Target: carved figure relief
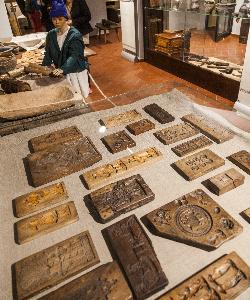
(49,140)
(120,197)
(121,119)
(137,257)
(140,126)
(175,133)
(42,198)
(224,279)
(158,113)
(49,165)
(118,141)
(99,175)
(51,266)
(103,283)
(46,221)
(195,219)
(242,160)
(209,127)
(196,165)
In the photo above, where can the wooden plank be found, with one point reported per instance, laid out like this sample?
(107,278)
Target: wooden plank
(137,257)
(140,126)
(225,181)
(121,119)
(209,127)
(191,146)
(73,156)
(118,141)
(198,164)
(104,173)
(105,282)
(246,214)
(158,113)
(39,199)
(242,160)
(224,279)
(175,133)
(51,266)
(120,197)
(50,140)
(45,222)
(194,219)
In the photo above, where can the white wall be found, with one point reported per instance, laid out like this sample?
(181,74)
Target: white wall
(5,30)
(98,11)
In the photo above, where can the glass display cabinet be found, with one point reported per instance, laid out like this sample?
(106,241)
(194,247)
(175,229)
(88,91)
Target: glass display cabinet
(200,41)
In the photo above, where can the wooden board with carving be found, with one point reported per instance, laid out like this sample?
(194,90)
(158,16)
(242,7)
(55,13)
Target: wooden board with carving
(195,219)
(209,127)
(73,156)
(175,133)
(242,160)
(198,164)
(105,282)
(121,119)
(39,199)
(137,257)
(225,181)
(224,279)
(118,141)
(50,140)
(191,146)
(51,266)
(246,214)
(140,126)
(46,221)
(158,113)
(104,173)
(120,197)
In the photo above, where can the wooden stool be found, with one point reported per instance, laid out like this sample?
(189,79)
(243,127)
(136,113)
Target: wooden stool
(101,27)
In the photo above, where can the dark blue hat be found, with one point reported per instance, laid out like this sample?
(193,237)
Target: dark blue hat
(58,9)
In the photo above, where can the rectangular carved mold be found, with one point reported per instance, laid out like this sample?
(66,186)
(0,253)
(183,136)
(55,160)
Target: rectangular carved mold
(120,197)
(46,221)
(121,119)
(73,156)
(51,266)
(242,160)
(198,164)
(246,214)
(224,279)
(194,219)
(158,113)
(100,175)
(38,199)
(140,126)
(137,257)
(209,127)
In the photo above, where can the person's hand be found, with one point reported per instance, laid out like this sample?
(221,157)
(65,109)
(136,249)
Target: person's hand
(57,72)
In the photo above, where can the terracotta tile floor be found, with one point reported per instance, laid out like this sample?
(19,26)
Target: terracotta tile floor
(125,82)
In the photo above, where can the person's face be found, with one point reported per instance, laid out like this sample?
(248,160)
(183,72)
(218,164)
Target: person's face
(59,22)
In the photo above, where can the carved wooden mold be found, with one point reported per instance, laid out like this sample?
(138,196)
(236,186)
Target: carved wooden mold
(158,113)
(103,283)
(99,175)
(51,266)
(121,119)
(175,133)
(120,197)
(242,160)
(191,146)
(225,181)
(54,138)
(118,141)
(246,214)
(194,219)
(73,156)
(140,126)
(42,198)
(198,164)
(224,279)
(137,257)
(209,127)
(46,221)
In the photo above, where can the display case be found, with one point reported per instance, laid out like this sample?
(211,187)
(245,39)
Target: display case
(199,41)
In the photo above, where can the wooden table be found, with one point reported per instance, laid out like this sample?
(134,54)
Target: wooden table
(101,27)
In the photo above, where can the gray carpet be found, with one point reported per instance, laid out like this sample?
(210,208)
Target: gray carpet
(179,261)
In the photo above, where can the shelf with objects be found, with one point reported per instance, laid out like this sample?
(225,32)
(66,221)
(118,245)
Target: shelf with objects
(202,42)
